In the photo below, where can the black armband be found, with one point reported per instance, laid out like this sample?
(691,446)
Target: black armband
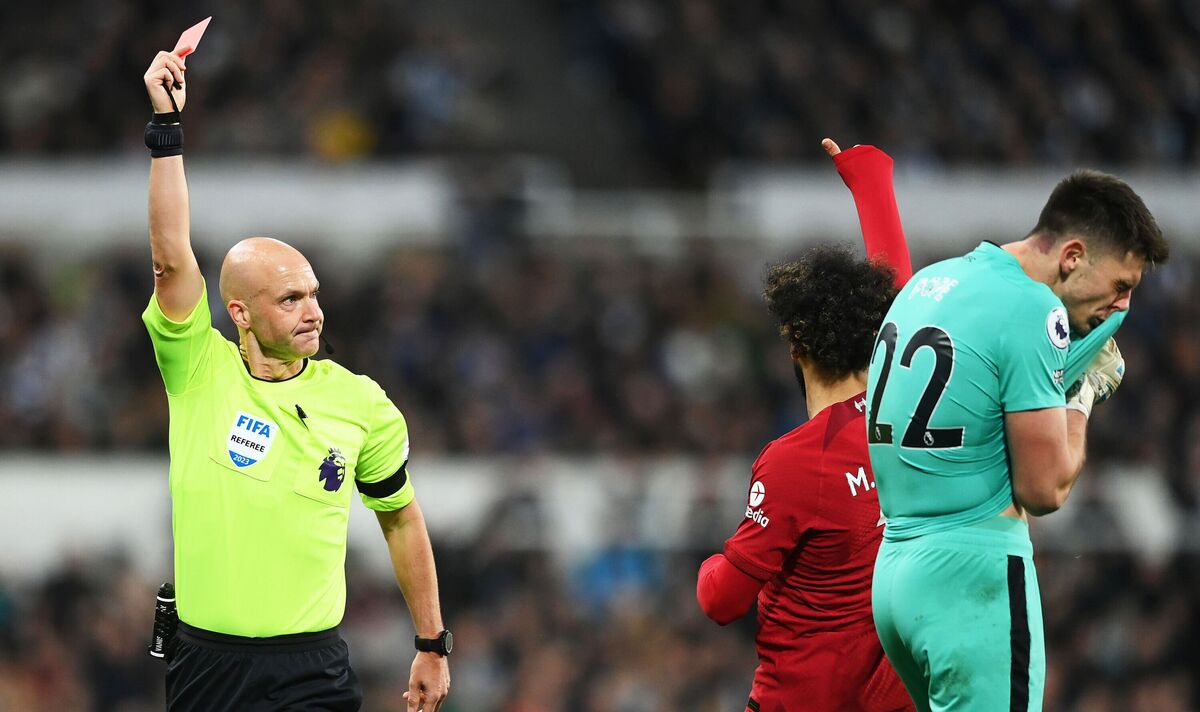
(164,135)
(386,487)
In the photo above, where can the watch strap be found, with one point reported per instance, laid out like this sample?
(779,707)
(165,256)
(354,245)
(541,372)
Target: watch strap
(433,645)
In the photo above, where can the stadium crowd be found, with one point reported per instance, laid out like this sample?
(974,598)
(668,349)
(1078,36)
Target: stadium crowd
(1120,636)
(939,82)
(492,345)
(329,80)
(522,350)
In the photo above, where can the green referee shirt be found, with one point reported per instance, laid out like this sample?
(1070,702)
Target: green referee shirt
(261,479)
(966,341)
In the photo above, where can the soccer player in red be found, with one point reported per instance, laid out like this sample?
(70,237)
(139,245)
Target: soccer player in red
(806,547)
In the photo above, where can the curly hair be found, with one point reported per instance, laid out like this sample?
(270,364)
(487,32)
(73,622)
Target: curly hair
(829,304)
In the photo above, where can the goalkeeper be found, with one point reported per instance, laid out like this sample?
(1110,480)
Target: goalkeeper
(968,435)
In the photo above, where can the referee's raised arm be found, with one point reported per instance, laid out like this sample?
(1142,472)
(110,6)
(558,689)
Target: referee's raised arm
(178,284)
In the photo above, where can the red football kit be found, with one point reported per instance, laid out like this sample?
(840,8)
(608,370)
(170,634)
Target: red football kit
(806,547)
(809,538)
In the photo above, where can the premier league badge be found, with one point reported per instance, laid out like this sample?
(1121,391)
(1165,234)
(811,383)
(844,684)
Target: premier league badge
(1057,328)
(333,470)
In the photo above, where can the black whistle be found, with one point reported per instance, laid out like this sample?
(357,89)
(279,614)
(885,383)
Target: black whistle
(166,621)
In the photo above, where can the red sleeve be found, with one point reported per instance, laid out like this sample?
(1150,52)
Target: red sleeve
(778,512)
(867,172)
(724,592)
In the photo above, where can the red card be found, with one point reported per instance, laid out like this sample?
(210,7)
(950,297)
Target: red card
(191,37)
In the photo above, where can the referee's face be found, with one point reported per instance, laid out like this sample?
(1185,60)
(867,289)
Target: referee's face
(285,317)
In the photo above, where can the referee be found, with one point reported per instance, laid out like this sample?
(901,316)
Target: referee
(266,445)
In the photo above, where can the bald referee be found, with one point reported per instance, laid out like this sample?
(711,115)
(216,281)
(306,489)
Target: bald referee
(266,448)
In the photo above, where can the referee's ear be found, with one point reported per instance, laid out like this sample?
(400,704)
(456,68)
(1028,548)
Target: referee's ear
(239,313)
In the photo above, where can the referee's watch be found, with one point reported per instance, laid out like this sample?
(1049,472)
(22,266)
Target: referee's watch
(442,644)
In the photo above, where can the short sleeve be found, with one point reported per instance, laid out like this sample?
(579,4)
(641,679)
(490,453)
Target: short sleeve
(1033,354)
(382,473)
(183,349)
(776,517)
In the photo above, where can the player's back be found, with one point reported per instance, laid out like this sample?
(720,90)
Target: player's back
(812,531)
(966,340)
(835,521)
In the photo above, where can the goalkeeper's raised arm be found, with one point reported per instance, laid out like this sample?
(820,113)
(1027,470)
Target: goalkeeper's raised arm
(177,281)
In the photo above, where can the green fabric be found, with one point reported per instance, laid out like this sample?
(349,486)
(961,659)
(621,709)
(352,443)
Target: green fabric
(1084,349)
(1010,347)
(260,541)
(942,610)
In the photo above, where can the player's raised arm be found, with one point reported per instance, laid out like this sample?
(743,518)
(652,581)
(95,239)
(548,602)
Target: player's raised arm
(178,284)
(867,172)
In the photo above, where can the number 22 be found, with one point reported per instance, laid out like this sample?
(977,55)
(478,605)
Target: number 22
(918,434)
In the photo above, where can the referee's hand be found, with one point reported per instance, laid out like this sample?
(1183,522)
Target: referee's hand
(166,70)
(429,683)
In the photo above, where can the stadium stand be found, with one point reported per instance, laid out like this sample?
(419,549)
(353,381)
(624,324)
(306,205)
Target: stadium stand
(504,346)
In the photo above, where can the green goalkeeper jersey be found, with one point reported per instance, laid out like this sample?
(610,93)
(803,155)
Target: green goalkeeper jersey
(261,478)
(967,340)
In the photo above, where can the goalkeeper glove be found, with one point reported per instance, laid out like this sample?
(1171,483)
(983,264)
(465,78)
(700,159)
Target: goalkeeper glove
(1099,381)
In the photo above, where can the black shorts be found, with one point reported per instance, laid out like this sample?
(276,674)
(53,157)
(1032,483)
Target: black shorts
(211,672)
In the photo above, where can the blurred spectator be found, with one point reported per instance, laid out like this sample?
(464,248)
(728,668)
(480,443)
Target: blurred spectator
(699,82)
(493,344)
(1119,638)
(937,81)
(523,350)
(334,80)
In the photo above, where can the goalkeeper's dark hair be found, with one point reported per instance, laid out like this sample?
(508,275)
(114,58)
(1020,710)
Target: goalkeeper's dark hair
(1106,213)
(829,305)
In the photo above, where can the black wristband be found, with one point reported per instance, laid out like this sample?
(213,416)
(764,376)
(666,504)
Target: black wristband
(164,135)
(442,644)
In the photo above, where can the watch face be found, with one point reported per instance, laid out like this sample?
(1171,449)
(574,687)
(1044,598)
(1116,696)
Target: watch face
(447,641)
